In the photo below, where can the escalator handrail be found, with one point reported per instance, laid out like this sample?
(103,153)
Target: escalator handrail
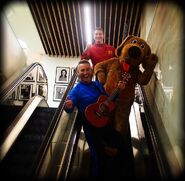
(70,150)
(51,130)
(160,158)
(7,90)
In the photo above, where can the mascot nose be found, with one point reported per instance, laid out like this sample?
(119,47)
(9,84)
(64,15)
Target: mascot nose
(134,52)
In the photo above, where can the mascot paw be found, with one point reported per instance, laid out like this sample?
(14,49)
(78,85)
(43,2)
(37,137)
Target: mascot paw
(101,77)
(150,61)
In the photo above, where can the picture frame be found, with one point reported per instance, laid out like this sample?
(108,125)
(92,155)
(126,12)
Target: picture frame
(13,95)
(72,72)
(62,74)
(25,91)
(42,90)
(59,91)
(32,76)
(40,76)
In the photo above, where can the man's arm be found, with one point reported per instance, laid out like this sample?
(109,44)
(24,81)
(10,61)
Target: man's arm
(70,102)
(86,53)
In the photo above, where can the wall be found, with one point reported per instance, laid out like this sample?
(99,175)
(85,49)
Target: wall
(13,55)
(164,92)
(18,24)
(19,17)
(50,64)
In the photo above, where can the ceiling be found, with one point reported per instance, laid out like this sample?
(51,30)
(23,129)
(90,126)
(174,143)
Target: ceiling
(61,23)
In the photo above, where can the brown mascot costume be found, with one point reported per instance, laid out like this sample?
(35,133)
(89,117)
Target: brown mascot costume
(132,53)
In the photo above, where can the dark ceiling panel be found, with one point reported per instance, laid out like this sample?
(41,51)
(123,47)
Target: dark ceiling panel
(61,23)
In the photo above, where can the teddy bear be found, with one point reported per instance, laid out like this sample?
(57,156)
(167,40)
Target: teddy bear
(134,59)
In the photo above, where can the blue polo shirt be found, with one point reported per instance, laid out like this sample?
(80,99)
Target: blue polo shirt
(84,94)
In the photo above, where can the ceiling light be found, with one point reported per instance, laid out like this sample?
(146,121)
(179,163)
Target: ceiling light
(88,24)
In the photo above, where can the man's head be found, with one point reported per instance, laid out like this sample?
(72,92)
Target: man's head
(98,36)
(84,71)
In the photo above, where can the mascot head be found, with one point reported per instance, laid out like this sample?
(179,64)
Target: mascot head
(133,51)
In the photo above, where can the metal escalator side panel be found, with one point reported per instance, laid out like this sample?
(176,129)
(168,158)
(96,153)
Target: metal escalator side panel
(18,124)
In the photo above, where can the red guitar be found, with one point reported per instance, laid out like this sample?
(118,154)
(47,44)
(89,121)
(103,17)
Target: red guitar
(97,113)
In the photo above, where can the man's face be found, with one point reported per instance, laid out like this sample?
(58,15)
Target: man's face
(85,72)
(98,36)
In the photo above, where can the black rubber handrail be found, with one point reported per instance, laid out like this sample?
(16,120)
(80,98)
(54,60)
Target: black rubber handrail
(160,158)
(71,150)
(53,127)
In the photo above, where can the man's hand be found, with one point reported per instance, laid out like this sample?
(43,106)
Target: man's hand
(68,103)
(121,85)
(88,47)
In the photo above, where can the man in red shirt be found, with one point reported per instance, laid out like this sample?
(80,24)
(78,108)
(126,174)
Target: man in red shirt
(99,50)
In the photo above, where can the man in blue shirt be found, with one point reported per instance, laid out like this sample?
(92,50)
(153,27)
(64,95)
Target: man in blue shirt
(101,140)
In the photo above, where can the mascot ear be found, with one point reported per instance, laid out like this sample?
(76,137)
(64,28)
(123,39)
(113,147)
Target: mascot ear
(148,52)
(119,48)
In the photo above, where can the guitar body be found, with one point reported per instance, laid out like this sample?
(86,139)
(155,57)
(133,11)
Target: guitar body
(96,114)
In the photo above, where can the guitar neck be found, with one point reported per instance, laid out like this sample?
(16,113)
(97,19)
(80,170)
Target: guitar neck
(126,76)
(113,96)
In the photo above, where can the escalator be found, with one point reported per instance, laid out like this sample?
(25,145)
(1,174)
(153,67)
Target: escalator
(25,121)
(29,129)
(20,158)
(52,145)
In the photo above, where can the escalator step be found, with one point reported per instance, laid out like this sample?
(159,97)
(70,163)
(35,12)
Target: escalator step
(21,156)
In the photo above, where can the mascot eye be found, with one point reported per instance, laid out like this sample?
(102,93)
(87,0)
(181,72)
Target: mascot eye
(142,45)
(134,41)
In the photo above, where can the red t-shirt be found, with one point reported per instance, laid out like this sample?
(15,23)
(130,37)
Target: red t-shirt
(99,52)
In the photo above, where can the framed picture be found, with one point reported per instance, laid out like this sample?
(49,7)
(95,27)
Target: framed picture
(40,76)
(12,96)
(25,91)
(42,90)
(72,72)
(59,91)
(32,76)
(62,75)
